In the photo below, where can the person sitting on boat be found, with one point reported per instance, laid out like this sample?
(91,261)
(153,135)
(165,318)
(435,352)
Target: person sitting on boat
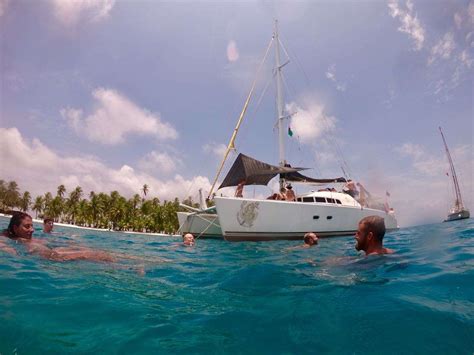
(369,236)
(351,189)
(290,194)
(310,239)
(282,195)
(240,189)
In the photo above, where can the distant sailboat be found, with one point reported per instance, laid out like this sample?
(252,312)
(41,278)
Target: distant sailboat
(458,211)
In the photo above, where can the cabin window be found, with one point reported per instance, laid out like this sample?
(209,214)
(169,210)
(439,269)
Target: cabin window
(315,217)
(330,200)
(320,199)
(338,202)
(308,199)
(298,199)
(329,217)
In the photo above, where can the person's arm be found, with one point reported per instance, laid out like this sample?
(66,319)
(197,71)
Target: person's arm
(7,249)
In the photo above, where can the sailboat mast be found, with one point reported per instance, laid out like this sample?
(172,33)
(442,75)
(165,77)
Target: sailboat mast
(458,203)
(279,100)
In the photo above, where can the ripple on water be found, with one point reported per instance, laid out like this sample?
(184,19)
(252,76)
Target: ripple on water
(221,297)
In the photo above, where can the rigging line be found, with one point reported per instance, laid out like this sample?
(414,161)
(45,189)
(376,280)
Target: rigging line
(339,153)
(243,135)
(264,91)
(297,62)
(231,145)
(290,90)
(311,157)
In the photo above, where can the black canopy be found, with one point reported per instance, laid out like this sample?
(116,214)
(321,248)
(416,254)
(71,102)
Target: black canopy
(254,172)
(297,177)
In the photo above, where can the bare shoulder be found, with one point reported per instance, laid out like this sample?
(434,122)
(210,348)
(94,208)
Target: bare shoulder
(5,247)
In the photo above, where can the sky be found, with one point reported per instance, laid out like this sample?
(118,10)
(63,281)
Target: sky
(111,95)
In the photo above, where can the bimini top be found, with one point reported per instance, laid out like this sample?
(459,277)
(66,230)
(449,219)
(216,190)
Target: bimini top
(253,171)
(297,177)
(256,172)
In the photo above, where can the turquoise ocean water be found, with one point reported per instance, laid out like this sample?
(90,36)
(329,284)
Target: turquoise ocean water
(265,298)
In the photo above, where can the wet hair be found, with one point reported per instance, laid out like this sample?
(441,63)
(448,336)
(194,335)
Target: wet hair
(374,224)
(15,221)
(310,236)
(48,219)
(187,235)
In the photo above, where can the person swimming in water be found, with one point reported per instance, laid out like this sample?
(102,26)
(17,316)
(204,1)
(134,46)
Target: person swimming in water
(20,229)
(310,239)
(188,240)
(48,225)
(369,236)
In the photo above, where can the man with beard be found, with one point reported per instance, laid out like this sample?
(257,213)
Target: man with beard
(369,236)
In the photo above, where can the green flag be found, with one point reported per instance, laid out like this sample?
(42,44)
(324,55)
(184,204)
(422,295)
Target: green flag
(290,132)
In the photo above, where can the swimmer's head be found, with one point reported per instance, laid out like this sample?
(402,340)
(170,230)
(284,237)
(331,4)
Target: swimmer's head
(20,226)
(310,239)
(188,239)
(48,224)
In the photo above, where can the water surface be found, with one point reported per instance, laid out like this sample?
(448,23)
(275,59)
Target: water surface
(266,298)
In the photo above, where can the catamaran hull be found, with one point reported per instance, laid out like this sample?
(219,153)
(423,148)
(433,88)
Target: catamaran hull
(204,225)
(261,220)
(457,216)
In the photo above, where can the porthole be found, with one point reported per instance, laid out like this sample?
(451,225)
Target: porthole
(329,217)
(315,217)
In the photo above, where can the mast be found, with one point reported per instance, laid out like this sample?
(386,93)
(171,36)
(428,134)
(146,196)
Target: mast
(231,144)
(458,203)
(279,102)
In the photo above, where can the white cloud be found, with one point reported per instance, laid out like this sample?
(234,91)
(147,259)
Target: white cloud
(458,20)
(409,22)
(470,12)
(443,49)
(391,97)
(232,51)
(38,169)
(310,123)
(331,75)
(469,38)
(422,162)
(409,149)
(3,6)
(465,58)
(73,117)
(115,117)
(218,149)
(159,163)
(71,12)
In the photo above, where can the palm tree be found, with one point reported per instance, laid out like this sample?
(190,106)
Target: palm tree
(12,195)
(25,201)
(61,190)
(3,192)
(38,205)
(73,202)
(145,189)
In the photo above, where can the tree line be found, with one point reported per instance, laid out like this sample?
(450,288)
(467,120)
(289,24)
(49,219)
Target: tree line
(99,210)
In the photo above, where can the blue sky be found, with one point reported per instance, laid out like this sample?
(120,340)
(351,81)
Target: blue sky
(110,95)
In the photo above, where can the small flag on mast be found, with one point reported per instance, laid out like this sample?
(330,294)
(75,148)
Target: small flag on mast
(290,132)
(387,193)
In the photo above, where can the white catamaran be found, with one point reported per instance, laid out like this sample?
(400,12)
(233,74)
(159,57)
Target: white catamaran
(327,213)
(458,211)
